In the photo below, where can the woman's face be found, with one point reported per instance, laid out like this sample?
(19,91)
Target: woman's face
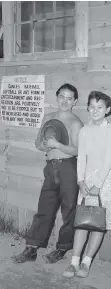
(98,109)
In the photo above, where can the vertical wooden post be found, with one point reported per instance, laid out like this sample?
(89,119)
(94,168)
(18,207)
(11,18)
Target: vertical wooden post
(8,28)
(81,28)
(18,27)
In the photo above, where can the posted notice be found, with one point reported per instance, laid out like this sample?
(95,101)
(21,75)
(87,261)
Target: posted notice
(22,100)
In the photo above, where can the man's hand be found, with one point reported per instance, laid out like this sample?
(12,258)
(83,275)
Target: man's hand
(84,190)
(44,146)
(94,191)
(52,143)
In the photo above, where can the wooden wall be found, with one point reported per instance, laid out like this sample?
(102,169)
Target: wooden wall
(100,35)
(21,165)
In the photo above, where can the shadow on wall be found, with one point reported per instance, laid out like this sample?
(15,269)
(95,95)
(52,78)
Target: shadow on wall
(82,114)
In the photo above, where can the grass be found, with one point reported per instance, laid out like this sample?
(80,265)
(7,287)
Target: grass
(7,225)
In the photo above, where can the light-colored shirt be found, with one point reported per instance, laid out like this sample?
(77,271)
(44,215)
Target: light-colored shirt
(94,153)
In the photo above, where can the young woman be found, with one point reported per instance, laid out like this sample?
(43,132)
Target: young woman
(94,177)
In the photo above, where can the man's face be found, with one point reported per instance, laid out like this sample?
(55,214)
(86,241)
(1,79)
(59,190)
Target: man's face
(65,100)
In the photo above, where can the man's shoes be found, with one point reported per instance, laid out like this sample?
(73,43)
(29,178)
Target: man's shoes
(29,254)
(54,256)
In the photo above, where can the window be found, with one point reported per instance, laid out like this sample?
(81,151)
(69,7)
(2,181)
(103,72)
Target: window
(1,32)
(42,26)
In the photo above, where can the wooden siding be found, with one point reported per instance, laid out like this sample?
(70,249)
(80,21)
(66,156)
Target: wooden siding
(100,35)
(21,165)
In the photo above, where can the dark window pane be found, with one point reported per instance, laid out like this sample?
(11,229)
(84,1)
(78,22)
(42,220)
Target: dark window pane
(0,13)
(64,5)
(1,48)
(26,38)
(26,10)
(43,7)
(43,36)
(64,36)
(1,39)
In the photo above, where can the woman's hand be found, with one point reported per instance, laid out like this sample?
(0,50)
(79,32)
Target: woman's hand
(94,191)
(84,190)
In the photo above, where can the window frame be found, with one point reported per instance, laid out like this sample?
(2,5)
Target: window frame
(81,34)
(49,16)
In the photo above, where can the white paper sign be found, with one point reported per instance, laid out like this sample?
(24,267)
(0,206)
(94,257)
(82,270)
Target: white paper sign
(22,100)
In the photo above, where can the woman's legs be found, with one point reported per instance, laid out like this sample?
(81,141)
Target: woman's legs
(94,242)
(79,241)
(80,238)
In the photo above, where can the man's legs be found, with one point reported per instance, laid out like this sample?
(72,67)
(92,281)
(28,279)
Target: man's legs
(68,194)
(43,221)
(68,198)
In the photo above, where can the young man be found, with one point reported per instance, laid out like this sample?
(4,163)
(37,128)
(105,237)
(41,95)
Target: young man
(62,160)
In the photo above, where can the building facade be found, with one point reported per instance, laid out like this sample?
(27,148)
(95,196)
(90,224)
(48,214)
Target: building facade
(66,41)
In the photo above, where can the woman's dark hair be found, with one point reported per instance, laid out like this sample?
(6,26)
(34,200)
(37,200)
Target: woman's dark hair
(69,87)
(99,95)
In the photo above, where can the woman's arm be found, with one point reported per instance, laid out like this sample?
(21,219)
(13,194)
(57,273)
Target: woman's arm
(102,174)
(81,162)
(106,166)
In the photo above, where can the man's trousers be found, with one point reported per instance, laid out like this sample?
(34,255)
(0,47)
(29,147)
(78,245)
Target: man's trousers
(59,190)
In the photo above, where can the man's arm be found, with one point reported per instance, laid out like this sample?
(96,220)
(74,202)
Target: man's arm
(72,149)
(68,149)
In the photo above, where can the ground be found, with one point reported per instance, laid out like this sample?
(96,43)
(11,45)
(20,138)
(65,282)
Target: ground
(38,275)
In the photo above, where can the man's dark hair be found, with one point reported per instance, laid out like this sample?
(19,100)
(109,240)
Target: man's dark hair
(69,87)
(98,95)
